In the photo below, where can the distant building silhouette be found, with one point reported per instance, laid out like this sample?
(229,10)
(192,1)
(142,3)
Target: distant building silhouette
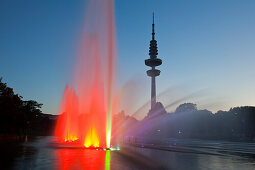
(152,62)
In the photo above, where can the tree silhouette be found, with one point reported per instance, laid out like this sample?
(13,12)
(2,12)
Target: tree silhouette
(16,115)
(186,107)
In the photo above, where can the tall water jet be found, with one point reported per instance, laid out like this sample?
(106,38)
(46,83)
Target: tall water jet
(110,71)
(67,125)
(86,109)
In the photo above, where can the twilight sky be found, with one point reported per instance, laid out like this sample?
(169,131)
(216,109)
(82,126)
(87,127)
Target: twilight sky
(206,45)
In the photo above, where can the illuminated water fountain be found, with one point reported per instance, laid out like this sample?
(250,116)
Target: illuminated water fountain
(86,107)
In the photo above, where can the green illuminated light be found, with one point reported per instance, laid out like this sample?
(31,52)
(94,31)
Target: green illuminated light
(107,160)
(109,125)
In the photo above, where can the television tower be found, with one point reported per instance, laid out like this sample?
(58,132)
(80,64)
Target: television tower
(152,62)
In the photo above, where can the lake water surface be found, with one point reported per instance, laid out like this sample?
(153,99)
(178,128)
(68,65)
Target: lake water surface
(172,154)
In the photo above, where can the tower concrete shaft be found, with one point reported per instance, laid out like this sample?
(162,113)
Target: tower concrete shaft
(152,62)
(153,91)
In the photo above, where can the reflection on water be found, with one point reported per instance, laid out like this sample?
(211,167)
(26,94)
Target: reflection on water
(39,154)
(80,159)
(194,161)
(107,160)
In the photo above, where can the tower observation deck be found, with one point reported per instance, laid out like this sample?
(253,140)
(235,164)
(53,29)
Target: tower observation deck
(152,62)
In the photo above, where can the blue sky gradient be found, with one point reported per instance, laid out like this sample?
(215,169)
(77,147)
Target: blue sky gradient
(203,44)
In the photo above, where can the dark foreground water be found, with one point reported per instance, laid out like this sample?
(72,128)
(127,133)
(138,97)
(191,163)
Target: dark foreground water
(173,154)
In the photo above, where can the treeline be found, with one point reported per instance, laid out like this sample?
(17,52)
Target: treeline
(237,124)
(19,117)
